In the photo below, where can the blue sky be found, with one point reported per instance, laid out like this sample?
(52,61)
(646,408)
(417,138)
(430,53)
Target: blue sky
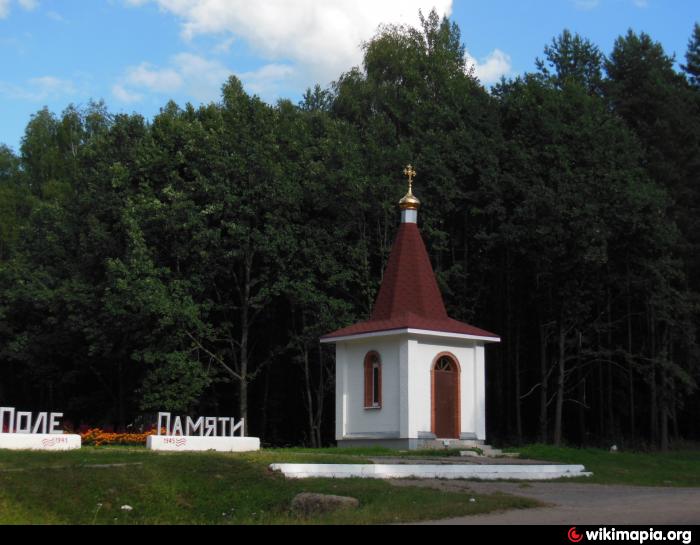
(137,54)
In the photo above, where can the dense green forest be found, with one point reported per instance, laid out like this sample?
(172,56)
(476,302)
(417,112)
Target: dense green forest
(191,262)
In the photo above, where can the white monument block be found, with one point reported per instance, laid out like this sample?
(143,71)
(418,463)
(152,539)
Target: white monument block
(26,441)
(25,431)
(184,434)
(181,443)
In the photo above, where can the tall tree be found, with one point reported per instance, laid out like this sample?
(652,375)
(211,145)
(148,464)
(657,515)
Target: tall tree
(572,181)
(658,106)
(572,58)
(15,201)
(692,57)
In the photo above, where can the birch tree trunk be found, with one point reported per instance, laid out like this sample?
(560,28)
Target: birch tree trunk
(543,423)
(559,410)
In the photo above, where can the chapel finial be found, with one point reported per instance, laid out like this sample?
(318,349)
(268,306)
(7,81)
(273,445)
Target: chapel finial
(409,202)
(410,173)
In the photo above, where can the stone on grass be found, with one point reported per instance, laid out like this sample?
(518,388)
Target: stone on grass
(308,503)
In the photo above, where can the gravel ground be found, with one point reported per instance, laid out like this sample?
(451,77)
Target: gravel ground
(579,504)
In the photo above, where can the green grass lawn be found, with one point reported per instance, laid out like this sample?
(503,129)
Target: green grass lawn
(89,486)
(673,468)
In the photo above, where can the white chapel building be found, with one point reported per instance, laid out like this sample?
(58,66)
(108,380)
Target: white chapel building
(410,375)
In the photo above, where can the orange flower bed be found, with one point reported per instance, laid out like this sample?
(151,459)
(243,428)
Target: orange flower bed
(97,437)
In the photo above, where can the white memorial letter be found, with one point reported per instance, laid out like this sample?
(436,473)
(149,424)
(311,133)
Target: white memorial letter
(54,423)
(25,427)
(210,426)
(11,426)
(177,426)
(191,426)
(223,421)
(166,417)
(41,424)
(239,425)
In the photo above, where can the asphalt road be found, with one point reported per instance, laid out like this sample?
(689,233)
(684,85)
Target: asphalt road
(580,504)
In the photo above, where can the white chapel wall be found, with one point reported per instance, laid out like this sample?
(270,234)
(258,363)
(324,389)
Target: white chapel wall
(358,421)
(422,352)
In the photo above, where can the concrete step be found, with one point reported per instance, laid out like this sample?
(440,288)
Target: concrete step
(443,444)
(471,443)
(487,451)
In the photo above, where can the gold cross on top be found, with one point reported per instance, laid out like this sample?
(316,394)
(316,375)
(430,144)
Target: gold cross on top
(408,171)
(409,202)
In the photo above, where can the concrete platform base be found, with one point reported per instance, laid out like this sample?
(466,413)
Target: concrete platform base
(427,471)
(410,444)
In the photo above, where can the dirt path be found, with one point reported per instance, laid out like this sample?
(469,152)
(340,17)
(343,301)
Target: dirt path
(580,504)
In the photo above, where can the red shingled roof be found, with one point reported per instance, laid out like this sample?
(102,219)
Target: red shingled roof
(409,297)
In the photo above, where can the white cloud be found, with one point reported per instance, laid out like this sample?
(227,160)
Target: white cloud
(38,89)
(124,95)
(323,38)
(225,45)
(53,85)
(266,80)
(586,4)
(492,67)
(197,78)
(55,16)
(191,74)
(203,78)
(161,81)
(29,5)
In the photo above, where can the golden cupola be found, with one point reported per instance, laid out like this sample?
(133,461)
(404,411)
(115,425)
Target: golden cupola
(409,202)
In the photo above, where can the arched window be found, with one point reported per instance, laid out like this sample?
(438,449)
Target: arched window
(373,381)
